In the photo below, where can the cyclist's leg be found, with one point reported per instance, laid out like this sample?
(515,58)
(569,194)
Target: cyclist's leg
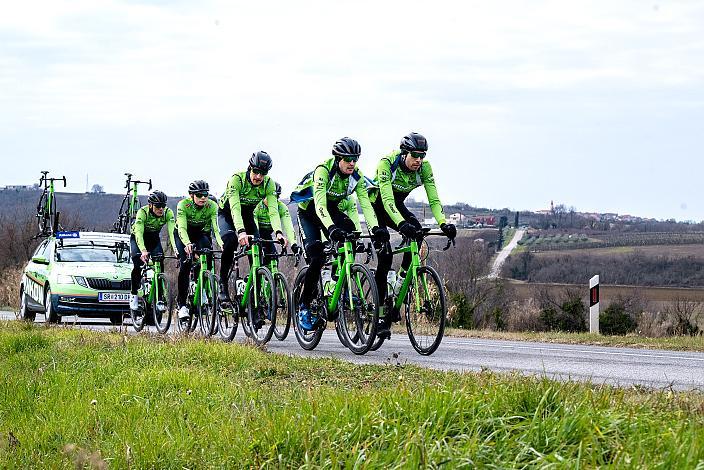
(250,226)
(137,263)
(311,226)
(409,217)
(267,248)
(183,271)
(229,239)
(383,250)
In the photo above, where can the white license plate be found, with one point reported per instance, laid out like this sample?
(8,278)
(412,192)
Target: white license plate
(113,297)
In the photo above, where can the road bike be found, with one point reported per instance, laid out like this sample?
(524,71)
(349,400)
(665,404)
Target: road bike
(47,216)
(202,300)
(155,297)
(422,297)
(130,205)
(351,300)
(254,296)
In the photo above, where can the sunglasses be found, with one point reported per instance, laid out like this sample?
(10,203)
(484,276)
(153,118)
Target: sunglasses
(420,155)
(159,206)
(351,158)
(257,171)
(200,194)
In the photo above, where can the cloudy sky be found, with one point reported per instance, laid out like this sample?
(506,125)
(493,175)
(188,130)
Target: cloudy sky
(594,104)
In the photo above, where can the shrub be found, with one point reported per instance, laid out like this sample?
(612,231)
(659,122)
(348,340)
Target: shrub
(615,320)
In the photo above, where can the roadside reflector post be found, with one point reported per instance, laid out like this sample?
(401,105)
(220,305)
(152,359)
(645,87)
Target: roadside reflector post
(594,304)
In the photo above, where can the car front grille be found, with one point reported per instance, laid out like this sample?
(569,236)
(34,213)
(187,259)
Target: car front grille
(100,283)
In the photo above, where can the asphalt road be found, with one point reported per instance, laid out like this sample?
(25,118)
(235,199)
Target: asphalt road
(614,366)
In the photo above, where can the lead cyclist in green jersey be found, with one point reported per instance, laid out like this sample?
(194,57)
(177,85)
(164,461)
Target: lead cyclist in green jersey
(145,239)
(196,218)
(236,221)
(398,174)
(318,197)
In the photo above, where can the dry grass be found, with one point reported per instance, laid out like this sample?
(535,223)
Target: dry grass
(9,287)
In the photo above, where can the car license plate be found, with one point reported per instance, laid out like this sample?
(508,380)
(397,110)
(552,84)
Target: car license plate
(113,297)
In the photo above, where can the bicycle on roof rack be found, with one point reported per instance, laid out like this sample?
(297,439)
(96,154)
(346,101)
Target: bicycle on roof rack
(47,215)
(130,204)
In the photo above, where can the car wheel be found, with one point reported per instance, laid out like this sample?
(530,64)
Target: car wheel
(116,319)
(50,315)
(25,313)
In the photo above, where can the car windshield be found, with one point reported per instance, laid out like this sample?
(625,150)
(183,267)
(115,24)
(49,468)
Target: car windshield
(92,254)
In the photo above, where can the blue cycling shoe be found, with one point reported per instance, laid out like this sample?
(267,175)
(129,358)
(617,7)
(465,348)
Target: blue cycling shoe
(306,318)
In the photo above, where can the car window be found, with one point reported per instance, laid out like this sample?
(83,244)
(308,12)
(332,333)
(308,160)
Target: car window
(88,254)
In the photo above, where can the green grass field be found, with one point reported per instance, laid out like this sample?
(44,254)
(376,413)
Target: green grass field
(74,398)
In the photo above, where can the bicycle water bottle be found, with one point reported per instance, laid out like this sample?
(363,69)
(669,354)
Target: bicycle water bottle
(391,278)
(328,285)
(240,287)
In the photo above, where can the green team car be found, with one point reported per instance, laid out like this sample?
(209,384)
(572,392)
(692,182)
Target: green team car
(78,273)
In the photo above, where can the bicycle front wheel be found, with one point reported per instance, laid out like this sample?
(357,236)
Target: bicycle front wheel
(208,303)
(425,311)
(308,340)
(162,304)
(261,307)
(359,309)
(283,307)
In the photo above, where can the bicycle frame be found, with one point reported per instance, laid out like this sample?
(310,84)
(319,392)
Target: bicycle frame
(203,263)
(49,190)
(252,279)
(154,289)
(345,254)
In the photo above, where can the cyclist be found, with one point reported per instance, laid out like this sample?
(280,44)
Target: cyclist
(196,218)
(236,221)
(318,196)
(263,221)
(397,174)
(145,240)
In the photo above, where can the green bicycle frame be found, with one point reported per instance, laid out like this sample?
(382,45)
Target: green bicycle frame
(154,290)
(203,259)
(346,254)
(252,279)
(134,203)
(49,198)
(411,276)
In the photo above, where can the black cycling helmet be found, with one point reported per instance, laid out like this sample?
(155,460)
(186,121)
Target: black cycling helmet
(277,191)
(261,161)
(198,186)
(414,142)
(157,197)
(346,147)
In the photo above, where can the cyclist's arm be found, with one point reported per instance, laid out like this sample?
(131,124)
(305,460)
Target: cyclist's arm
(170,225)
(320,196)
(272,208)
(214,223)
(138,229)
(182,222)
(363,198)
(235,204)
(426,176)
(287,223)
(386,190)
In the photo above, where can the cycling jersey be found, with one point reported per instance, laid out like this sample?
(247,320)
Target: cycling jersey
(190,216)
(241,192)
(393,179)
(147,222)
(326,184)
(261,217)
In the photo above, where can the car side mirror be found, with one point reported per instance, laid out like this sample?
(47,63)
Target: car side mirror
(40,260)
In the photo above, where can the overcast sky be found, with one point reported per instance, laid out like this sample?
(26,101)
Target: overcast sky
(594,104)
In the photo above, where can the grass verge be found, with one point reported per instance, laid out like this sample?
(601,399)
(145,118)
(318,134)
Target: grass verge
(81,398)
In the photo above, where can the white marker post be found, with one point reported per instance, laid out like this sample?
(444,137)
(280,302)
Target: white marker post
(594,304)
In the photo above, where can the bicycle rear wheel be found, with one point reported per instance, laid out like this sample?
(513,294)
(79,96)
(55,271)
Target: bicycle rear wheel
(162,304)
(308,340)
(261,307)
(359,309)
(283,307)
(425,311)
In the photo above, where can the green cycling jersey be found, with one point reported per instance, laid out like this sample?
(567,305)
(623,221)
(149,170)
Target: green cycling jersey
(190,215)
(327,184)
(263,220)
(147,221)
(394,179)
(241,192)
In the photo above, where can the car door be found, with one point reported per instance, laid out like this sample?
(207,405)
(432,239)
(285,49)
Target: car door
(36,274)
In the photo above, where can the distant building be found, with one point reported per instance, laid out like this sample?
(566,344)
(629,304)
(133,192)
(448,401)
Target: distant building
(20,187)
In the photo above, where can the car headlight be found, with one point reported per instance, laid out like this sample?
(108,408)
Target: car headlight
(64,279)
(81,281)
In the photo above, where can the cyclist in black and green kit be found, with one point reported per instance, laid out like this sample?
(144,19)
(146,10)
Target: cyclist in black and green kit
(145,240)
(244,191)
(196,218)
(266,231)
(397,175)
(318,196)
